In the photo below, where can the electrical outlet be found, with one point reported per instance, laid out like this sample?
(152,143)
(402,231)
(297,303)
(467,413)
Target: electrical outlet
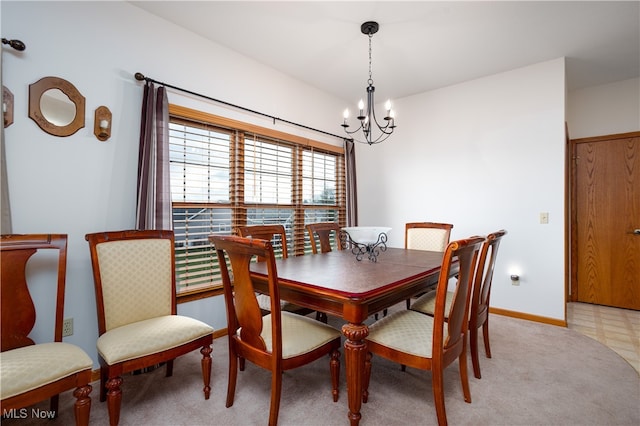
(67,327)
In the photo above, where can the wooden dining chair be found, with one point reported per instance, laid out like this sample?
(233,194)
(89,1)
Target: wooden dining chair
(321,234)
(278,237)
(430,236)
(479,309)
(34,371)
(278,341)
(429,342)
(138,327)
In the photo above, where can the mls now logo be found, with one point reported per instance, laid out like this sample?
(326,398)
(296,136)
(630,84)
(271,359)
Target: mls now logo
(24,413)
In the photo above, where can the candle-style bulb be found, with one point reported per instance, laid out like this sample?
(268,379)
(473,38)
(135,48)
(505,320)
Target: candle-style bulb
(387,105)
(361,105)
(346,113)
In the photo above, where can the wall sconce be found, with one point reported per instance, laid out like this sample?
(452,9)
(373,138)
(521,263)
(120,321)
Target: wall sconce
(102,123)
(515,279)
(7,106)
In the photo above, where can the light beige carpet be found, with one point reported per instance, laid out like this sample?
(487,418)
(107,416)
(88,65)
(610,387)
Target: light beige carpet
(539,375)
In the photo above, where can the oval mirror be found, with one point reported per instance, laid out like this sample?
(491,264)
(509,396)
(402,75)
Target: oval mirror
(56,106)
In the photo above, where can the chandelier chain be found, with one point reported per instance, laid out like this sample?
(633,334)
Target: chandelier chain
(370,73)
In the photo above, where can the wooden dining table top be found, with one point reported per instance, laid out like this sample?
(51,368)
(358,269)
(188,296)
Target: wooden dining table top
(337,278)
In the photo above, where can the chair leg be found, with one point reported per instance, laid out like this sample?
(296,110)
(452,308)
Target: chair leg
(233,374)
(206,370)
(408,303)
(334,366)
(53,404)
(114,399)
(474,351)
(485,335)
(169,369)
(367,377)
(322,317)
(276,392)
(464,376)
(82,406)
(103,384)
(438,396)
(242,364)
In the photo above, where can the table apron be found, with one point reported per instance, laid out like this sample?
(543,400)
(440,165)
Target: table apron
(354,310)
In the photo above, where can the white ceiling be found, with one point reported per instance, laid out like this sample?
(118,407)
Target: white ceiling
(421,45)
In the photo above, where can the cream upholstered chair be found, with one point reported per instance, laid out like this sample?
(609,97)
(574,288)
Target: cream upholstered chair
(278,341)
(278,237)
(135,285)
(430,236)
(479,309)
(31,372)
(430,343)
(320,234)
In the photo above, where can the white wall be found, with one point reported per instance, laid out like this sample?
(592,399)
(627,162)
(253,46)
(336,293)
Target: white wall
(77,185)
(483,155)
(604,110)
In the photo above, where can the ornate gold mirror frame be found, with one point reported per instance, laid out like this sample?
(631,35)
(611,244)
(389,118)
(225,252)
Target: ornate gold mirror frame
(41,93)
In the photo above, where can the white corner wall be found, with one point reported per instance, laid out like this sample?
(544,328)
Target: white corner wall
(483,155)
(604,110)
(77,185)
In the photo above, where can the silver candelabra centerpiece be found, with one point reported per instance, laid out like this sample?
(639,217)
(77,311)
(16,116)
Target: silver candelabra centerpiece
(365,240)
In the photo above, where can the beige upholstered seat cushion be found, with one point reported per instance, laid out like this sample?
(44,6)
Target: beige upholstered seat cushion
(406,331)
(427,303)
(149,336)
(432,239)
(300,334)
(30,367)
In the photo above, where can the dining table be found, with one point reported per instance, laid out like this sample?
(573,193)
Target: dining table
(338,283)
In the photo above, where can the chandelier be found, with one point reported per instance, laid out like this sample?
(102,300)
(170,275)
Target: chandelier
(372,131)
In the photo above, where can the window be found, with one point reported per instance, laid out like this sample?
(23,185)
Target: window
(226,174)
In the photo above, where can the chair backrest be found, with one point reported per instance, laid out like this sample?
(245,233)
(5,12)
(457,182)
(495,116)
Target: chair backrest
(134,276)
(243,311)
(484,273)
(323,232)
(466,253)
(18,310)
(274,233)
(430,236)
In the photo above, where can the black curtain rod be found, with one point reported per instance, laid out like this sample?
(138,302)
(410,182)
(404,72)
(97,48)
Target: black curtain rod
(141,77)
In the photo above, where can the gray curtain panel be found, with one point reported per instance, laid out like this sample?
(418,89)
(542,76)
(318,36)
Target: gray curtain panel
(5,221)
(153,209)
(352,192)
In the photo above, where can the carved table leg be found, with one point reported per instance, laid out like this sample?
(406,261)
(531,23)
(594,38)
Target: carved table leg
(355,350)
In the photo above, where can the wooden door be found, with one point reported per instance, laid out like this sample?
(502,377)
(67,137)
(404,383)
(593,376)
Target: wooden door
(606,221)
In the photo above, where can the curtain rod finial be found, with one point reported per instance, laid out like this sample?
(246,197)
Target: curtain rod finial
(139,76)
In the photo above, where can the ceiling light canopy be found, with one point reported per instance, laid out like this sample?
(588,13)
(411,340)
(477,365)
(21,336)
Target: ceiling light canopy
(372,131)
